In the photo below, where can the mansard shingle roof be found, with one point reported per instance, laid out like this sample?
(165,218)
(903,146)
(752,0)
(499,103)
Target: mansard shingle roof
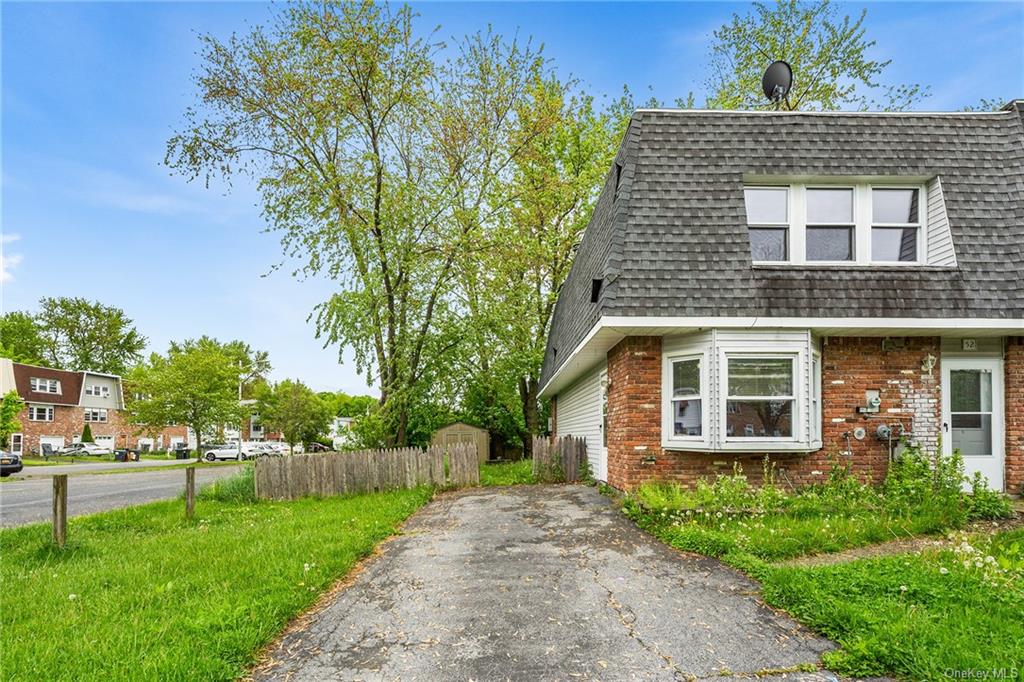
(674,242)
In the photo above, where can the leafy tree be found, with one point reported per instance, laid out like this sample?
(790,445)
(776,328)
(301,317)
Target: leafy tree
(253,365)
(567,146)
(80,334)
(368,149)
(11,406)
(826,48)
(345,405)
(195,384)
(21,338)
(294,410)
(87,434)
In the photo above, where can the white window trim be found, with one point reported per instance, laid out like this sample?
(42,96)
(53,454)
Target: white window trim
(795,418)
(862,216)
(99,412)
(668,416)
(33,411)
(36,382)
(714,348)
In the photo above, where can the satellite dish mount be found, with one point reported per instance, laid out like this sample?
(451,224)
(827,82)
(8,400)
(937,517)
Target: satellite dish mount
(777,81)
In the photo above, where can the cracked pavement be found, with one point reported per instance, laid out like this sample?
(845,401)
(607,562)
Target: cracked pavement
(540,583)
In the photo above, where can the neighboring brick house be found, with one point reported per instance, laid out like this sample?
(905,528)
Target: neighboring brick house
(798,285)
(59,403)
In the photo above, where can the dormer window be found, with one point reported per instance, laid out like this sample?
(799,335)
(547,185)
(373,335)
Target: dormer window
(37,385)
(830,225)
(895,224)
(836,224)
(768,220)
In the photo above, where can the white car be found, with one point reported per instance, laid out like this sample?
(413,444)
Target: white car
(84,449)
(217,451)
(258,449)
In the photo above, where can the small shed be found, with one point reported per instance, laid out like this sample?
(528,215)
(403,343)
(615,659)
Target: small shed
(460,432)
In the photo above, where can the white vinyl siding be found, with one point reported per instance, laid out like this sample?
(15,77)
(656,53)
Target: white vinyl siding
(939,240)
(579,413)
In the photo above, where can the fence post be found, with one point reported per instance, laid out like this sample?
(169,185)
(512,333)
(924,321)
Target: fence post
(190,492)
(60,509)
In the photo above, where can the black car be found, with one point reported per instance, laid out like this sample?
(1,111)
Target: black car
(10,463)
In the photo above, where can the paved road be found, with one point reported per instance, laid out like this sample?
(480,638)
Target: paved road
(86,467)
(539,583)
(28,501)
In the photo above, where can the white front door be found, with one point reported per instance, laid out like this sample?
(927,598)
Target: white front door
(972,415)
(601,470)
(17,443)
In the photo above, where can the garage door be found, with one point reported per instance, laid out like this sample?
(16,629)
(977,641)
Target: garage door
(105,441)
(54,443)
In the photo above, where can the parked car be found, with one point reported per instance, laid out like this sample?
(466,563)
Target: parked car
(87,449)
(10,463)
(224,451)
(262,450)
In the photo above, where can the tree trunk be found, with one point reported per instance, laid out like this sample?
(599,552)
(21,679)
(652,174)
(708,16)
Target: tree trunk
(531,415)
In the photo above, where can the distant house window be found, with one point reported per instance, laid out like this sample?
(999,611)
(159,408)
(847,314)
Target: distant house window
(768,222)
(40,413)
(95,415)
(895,224)
(830,226)
(855,223)
(97,390)
(38,385)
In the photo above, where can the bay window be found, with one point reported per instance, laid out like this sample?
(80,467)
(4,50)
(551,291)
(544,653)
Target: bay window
(741,391)
(687,417)
(760,398)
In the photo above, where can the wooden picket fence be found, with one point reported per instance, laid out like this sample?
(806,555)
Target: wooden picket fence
(559,459)
(365,471)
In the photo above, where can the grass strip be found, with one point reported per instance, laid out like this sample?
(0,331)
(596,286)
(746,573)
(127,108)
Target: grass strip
(140,593)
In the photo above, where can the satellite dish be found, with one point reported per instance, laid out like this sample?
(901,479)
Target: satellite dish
(778,79)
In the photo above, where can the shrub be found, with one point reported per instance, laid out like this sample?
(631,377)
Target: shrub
(87,434)
(985,503)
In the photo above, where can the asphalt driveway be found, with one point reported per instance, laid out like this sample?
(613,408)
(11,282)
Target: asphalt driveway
(539,583)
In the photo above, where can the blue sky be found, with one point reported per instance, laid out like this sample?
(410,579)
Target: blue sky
(91,91)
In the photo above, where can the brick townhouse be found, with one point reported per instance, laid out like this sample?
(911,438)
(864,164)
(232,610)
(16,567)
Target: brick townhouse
(807,286)
(59,403)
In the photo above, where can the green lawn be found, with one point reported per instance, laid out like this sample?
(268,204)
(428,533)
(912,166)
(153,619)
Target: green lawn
(507,473)
(914,616)
(142,594)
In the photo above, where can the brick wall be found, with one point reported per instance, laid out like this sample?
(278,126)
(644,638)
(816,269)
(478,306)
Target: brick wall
(69,422)
(1014,391)
(909,393)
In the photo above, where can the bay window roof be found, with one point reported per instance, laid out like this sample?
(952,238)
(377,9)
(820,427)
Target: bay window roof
(674,239)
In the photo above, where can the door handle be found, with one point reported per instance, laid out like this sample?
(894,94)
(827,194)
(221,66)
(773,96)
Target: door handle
(945,427)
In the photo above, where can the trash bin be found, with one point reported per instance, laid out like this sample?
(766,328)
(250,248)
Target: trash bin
(120,455)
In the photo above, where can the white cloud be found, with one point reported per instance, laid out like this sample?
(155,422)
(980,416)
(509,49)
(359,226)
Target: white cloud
(7,263)
(9,237)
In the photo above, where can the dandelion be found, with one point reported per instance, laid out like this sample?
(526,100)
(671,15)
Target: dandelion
(305,568)
(72,597)
(903,588)
(943,570)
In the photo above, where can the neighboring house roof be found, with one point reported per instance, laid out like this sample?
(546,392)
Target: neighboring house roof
(70,384)
(674,243)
